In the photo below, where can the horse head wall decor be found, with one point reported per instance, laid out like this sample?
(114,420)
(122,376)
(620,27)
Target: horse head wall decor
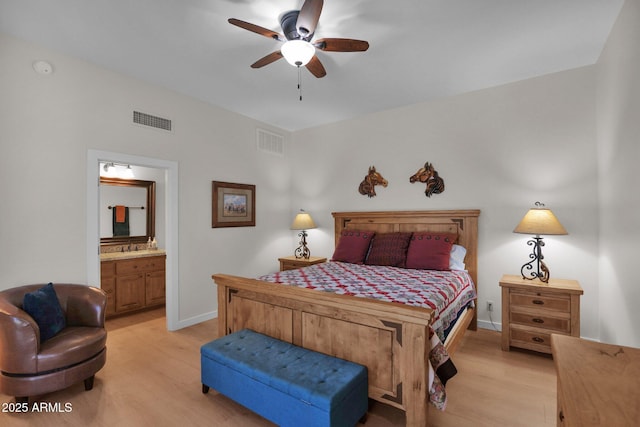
(428,175)
(373,178)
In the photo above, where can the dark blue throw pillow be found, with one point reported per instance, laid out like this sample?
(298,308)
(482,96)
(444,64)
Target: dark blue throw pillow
(44,307)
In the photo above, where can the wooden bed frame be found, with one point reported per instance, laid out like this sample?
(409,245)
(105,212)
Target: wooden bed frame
(390,339)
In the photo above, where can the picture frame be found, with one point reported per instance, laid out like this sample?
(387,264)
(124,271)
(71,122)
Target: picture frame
(233,205)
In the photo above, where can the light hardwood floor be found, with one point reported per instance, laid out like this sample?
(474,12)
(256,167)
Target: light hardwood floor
(152,378)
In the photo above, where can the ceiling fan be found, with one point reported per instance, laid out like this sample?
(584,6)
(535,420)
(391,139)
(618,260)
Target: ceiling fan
(299,27)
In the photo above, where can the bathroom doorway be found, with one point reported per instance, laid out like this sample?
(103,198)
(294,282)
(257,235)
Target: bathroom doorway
(165,173)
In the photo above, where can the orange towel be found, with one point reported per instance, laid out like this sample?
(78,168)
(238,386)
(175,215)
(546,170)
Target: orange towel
(120,213)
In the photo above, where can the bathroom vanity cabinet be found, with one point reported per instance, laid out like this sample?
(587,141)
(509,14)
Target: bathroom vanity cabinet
(133,282)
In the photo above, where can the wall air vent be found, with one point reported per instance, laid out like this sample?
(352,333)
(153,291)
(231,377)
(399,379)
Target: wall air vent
(270,142)
(152,121)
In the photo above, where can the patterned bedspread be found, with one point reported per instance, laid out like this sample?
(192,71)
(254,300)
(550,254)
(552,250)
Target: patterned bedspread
(446,292)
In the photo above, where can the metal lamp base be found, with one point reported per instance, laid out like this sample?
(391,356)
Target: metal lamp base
(542,272)
(302,251)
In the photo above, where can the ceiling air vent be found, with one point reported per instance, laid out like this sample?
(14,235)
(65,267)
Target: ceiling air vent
(270,142)
(152,121)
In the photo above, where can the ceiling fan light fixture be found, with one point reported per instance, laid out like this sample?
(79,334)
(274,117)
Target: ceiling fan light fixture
(298,52)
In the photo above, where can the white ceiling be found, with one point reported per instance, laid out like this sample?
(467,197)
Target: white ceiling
(419,49)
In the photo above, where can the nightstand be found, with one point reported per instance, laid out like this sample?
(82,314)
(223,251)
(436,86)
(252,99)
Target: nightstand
(291,262)
(532,310)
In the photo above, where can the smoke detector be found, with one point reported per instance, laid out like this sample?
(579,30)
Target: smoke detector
(43,67)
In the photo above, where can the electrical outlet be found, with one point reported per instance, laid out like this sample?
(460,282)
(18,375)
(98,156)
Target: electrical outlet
(489,305)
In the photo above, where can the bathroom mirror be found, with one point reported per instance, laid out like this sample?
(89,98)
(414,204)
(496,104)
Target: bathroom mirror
(139,197)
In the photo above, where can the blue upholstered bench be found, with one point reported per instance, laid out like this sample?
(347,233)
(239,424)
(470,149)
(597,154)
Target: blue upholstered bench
(284,383)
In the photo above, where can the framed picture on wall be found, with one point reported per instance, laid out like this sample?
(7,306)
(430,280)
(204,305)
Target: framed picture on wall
(233,205)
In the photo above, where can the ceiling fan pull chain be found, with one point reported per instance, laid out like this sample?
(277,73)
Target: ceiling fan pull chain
(299,83)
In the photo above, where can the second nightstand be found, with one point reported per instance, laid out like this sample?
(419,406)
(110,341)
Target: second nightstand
(533,310)
(291,262)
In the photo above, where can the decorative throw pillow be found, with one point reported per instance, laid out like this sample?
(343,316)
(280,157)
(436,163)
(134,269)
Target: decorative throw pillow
(389,249)
(430,251)
(353,246)
(44,307)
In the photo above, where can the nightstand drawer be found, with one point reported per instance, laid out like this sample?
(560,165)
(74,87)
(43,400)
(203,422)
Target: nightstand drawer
(288,265)
(545,322)
(530,339)
(540,301)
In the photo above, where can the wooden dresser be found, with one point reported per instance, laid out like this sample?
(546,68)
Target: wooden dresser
(598,384)
(291,262)
(133,284)
(533,310)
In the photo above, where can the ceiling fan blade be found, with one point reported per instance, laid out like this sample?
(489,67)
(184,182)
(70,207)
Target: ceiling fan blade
(272,57)
(257,29)
(341,45)
(316,68)
(308,17)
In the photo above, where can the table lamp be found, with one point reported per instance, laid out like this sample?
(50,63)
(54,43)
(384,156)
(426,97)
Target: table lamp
(303,222)
(538,220)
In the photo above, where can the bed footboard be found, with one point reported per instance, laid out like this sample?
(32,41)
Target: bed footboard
(391,340)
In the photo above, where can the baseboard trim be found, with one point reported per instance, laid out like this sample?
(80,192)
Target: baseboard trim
(184,323)
(492,326)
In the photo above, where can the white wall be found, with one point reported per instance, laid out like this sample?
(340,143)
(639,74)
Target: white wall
(499,150)
(619,154)
(47,126)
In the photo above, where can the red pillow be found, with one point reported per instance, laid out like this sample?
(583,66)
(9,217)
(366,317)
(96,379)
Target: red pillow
(389,249)
(353,246)
(430,251)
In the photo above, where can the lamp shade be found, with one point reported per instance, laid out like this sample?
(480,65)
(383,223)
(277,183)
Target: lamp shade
(540,220)
(298,52)
(303,221)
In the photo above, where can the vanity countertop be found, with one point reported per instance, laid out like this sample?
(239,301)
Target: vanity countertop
(110,256)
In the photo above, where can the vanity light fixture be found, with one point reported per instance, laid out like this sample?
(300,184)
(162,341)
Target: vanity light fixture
(538,220)
(117,170)
(303,222)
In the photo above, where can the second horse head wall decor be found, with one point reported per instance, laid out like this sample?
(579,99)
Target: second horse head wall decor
(429,176)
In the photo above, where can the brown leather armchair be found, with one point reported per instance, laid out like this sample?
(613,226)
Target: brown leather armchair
(30,368)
